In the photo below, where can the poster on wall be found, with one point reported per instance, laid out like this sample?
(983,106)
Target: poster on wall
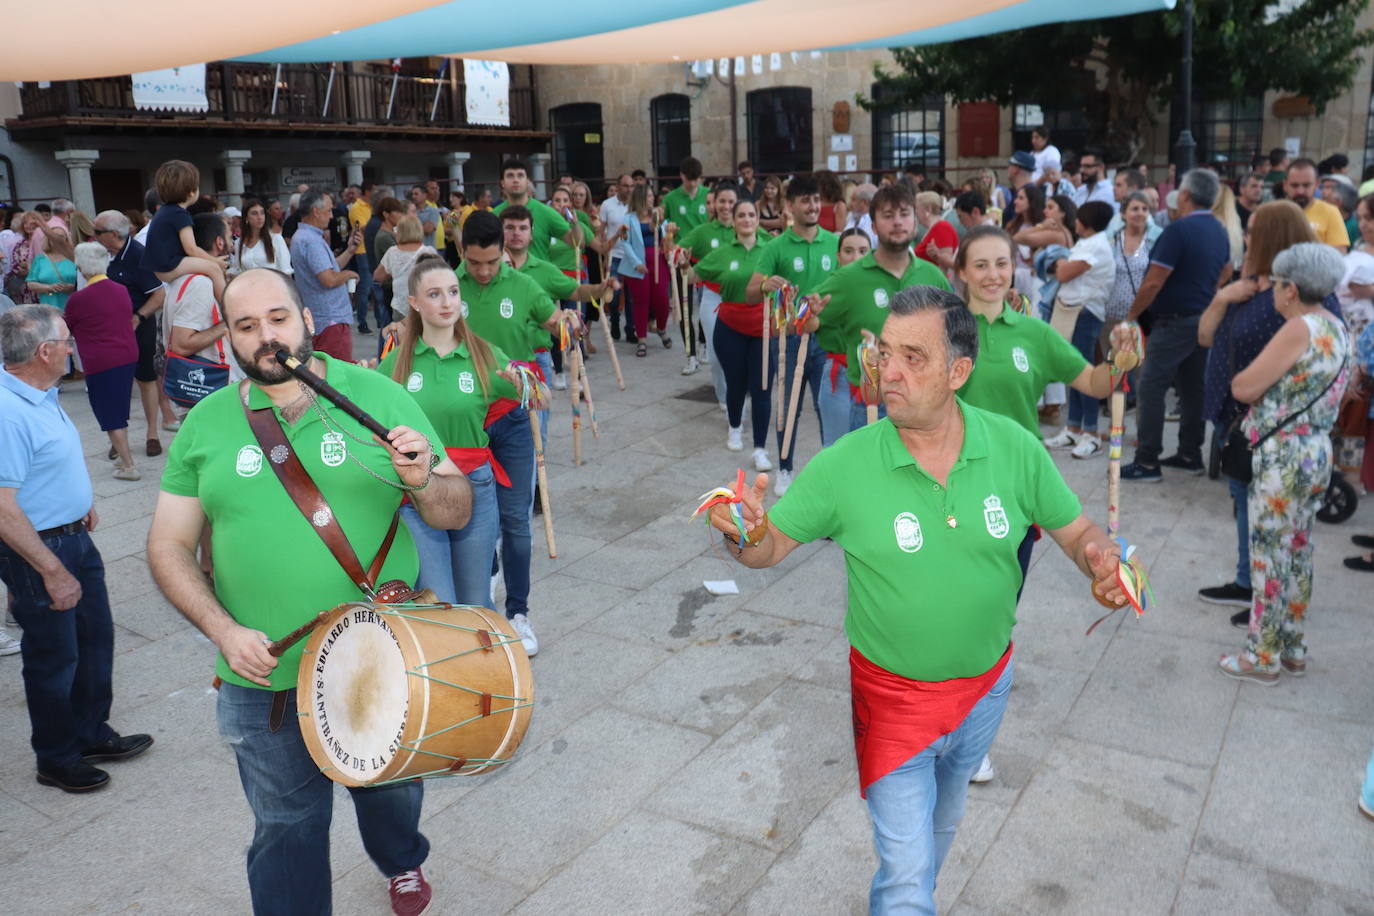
(316,176)
(173,89)
(487,92)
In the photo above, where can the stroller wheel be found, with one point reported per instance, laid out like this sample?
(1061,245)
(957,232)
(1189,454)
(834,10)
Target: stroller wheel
(1340,501)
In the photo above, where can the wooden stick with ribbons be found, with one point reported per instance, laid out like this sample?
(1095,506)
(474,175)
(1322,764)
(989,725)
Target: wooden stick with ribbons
(574,356)
(542,472)
(610,347)
(798,372)
(867,354)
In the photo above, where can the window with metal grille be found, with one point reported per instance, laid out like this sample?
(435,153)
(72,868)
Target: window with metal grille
(577,145)
(671,116)
(779,122)
(1228,133)
(906,134)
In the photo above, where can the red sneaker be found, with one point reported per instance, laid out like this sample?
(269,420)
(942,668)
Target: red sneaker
(410,893)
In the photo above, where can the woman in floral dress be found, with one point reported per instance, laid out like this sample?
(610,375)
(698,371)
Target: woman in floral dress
(1306,363)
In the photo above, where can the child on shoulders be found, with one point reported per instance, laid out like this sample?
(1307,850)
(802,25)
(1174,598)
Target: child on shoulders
(171,250)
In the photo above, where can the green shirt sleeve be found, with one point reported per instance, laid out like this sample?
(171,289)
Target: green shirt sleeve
(768,258)
(1055,504)
(714,266)
(806,511)
(500,388)
(1063,359)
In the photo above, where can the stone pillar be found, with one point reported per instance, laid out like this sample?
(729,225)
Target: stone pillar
(455,170)
(233,160)
(78,163)
(540,163)
(353,164)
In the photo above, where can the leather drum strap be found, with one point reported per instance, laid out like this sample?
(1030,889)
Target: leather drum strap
(311,502)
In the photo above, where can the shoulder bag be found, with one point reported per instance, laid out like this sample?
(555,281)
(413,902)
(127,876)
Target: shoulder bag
(188,380)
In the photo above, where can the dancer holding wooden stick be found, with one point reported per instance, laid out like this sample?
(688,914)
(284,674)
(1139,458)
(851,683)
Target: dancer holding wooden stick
(739,332)
(803,256)
(648,296)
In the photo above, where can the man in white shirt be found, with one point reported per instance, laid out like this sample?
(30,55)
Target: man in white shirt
(1094,186)
(191,320)
(859,217)
(614,214)
(1046,154)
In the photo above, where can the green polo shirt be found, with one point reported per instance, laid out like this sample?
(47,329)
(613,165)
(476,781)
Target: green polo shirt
(686,212)
(561,253)
(1018,355)
(929,601)
(506,312)
(859,296)
(732,266)
(550,279)
(272,571)
(449,392)
(706,238)
(804,264)
(546,224)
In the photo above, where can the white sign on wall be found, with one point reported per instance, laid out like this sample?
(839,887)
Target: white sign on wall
(317,176)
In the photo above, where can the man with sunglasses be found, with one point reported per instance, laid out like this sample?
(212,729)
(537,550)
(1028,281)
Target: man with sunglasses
(54,573)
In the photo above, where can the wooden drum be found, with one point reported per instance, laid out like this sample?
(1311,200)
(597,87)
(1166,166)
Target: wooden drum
(390,692)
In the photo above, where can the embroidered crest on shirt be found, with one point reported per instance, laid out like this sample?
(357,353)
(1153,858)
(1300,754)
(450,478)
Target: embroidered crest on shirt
(880,298)
(907,528)
(249,461)
(1019,359)
(734,265)
(715,243)
(995,517)
(415,382)
(507,308)
(825,262)
(332,449)
(798,265)
(701,209)
(465,383)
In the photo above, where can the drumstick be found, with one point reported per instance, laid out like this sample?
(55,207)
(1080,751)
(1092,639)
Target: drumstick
(333,395)
(543,482)
(278,648)
(796,397)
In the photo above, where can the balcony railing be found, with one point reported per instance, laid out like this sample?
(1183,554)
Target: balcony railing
(243,92)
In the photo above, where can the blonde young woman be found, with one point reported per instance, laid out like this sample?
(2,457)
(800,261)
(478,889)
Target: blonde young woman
(457,378)
(398,260)
(1224,209)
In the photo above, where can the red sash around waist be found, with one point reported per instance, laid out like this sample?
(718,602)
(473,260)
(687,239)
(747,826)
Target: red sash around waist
(470,459)
(895,718)
(739,316)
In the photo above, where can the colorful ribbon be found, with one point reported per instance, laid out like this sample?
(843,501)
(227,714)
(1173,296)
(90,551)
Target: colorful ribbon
(726,496)
(1133,581)
(867,354)
(529,383)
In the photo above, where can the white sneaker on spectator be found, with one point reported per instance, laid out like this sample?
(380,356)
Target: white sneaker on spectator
(735,440)
(782,482)
(560,381)
(1064,439)
(691,367)
(985,771)
(8,644)
(761,460)
(523,628)
(1088,446)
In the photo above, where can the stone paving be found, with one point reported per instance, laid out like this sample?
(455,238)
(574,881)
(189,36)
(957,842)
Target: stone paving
(692,754)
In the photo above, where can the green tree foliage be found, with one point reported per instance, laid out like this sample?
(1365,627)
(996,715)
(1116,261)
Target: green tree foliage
(1116,68)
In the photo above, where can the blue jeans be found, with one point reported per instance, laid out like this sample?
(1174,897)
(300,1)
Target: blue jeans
(813,367)
(1240,498)
(741,358)
(916,808)
(293,803)
(68,655)
(513,445)
(1172,355)
(455,563)
(839,413)
(545,361)
(362,296)
(1083,408)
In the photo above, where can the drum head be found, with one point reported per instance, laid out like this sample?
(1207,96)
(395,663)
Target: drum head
(358,694)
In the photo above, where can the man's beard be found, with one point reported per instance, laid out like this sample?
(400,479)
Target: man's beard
(1302,200)
(893,246)
(277,373)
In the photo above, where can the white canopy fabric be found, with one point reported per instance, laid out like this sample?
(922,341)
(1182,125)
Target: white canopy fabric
(153,34)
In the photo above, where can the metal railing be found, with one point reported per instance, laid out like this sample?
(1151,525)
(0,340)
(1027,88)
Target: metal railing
(297,93)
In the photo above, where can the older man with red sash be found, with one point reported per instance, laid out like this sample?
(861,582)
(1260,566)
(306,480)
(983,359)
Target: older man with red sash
(929,505)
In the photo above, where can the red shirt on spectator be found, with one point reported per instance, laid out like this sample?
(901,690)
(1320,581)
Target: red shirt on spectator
(941,235)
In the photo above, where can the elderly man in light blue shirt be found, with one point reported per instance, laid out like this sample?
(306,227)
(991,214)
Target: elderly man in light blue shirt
(53,571)
(321,278)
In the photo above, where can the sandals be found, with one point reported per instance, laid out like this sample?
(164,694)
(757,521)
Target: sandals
(1233,666)
(1362,563)
(667,341)
(641,350)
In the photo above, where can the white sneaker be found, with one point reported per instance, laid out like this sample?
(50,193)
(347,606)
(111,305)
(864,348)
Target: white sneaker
(521,623)
(560,381)
(1065,439)
(723,407)
(691,367)
(985,771)
(8,644)
(497,581)
(172,426)
(129,472)
(735,441)
(761,460)
(782,482)
(1088,446)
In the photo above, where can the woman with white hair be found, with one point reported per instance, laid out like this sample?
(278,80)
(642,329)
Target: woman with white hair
(1294,387)
(99,319)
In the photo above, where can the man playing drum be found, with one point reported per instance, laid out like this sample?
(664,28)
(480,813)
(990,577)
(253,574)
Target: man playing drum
(929,505)
(274,573)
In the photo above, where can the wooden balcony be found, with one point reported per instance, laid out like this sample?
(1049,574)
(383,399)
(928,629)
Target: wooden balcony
(241,99)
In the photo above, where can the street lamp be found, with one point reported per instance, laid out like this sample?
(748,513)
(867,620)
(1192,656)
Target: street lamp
(1186,147)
